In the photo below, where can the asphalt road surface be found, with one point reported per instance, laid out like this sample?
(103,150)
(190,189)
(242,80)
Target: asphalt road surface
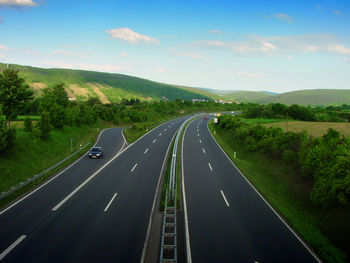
(227,220)
(95,211)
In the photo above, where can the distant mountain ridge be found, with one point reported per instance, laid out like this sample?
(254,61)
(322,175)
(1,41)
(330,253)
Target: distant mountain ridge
(310,97)
(321,97)
(112,87)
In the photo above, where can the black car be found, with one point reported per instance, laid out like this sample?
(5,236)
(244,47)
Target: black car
(96,152)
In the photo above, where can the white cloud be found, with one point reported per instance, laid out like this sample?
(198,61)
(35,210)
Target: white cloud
(337,13)
(248,75)
(284,18)
(267,47)
(69,46)
(85,66)
(68,53)
(124,54)
(279,45)
(169,36)
(339,49)
(289,57)
(4,48)
(159,70)
(131,36)
(17,3)
(215,32)
(194,56)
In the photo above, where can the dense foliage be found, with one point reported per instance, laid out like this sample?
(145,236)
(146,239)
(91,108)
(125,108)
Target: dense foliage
(297,112)
(325,160)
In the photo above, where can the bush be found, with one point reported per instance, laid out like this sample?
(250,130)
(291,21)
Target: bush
(325,160)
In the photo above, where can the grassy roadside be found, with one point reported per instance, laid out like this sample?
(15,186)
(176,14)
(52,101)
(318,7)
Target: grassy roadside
(288,194)
(26,161)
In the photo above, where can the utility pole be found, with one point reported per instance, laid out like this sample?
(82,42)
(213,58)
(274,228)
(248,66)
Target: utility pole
(287,122)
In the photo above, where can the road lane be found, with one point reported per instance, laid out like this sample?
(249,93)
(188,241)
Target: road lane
(228,221)
(29,212)
(81,231)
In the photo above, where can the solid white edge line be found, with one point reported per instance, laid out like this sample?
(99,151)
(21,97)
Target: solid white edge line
(146,151)
(133,168)
(14,244)
(143,257)
(308,248)
(223,195)
(187,231)
(110,202)
(211,169)
(53,178)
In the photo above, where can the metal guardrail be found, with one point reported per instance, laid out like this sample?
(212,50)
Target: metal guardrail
(34,177)
(168,251)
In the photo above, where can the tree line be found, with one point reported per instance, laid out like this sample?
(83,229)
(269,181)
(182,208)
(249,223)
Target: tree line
(56,111)
(298,112)
(324,160)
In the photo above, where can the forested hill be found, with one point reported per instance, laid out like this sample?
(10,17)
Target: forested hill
(109,87)
(324,97)
(310,97)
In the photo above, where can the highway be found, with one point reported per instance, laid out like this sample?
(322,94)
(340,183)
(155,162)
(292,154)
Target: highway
(227,219)
(96,210)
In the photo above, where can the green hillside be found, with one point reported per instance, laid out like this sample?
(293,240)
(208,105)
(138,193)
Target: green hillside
(109,87)
(247,96)
(310,97)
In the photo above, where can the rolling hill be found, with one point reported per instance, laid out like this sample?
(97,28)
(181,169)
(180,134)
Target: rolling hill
(109,87)
(310,97)
(247,96)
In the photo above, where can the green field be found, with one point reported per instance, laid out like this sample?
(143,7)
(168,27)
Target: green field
(314,128)
(260,121)
(287,192)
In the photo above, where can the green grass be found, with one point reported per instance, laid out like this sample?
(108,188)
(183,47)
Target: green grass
(22,118)
(32,156)
(314,128)
(260,121)
(287,192)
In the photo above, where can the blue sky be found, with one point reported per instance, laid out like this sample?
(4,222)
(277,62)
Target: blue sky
(252,45)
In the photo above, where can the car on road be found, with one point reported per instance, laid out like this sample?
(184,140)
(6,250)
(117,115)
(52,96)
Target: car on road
(205,117)
(96,152)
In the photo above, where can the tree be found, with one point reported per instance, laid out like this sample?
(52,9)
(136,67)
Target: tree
(54,102)
(7,135)
(44,126)
(14,92)
(28,124)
